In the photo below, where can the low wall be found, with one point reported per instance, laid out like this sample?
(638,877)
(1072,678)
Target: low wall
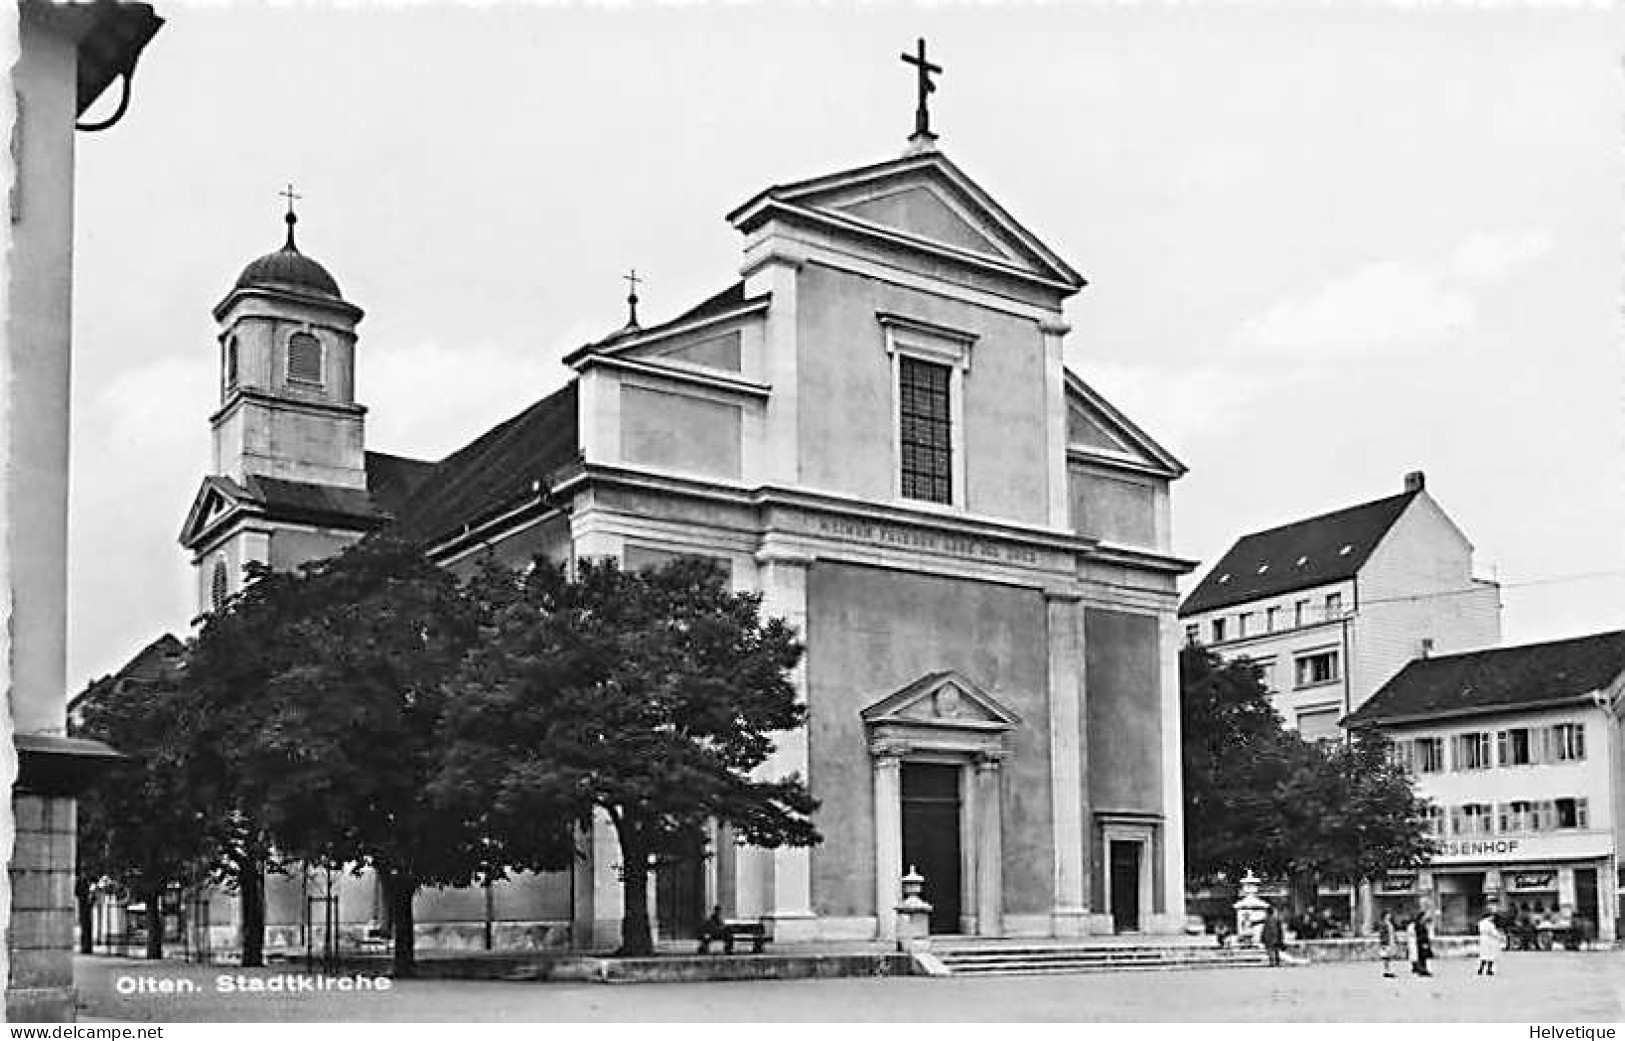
(1366,948)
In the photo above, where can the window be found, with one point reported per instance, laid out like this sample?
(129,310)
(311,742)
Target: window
(1472,751)
(1243,620)
(231,362)
(1334,605)
(1192,634)
(304,359)
(1300,613)
(925,433)
(1266,675)
(1518,816)
(1474,818)
(1569,742)
(1218,630)
(1569,813)
(1429,755)
(1318,725)
(1433,819)
(1315,669)
(217,585)
(1512,747)
(1272,619)
(1402,753)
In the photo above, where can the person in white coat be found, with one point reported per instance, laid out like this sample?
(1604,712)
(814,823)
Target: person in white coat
(1490,942)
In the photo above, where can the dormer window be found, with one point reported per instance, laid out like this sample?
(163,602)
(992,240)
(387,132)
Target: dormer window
(1262,568)
(304,359)
(1224,579)
(1346,550)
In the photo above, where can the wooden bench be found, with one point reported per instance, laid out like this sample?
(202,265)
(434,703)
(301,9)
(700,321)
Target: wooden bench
(755,932)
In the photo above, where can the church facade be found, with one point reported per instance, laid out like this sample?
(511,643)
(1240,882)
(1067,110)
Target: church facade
(873,426)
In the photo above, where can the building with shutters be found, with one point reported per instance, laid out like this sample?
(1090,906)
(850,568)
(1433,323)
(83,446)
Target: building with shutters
(1332,606)
(1519,750)
(873,426)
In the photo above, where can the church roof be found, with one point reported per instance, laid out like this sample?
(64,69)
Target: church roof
(1329,548)
(497,470)
(731,299)
(1498,679)
(391,479)
(314,503)
(288,267)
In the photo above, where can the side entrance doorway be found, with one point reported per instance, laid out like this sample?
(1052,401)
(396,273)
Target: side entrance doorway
(931,809)
(1125,885)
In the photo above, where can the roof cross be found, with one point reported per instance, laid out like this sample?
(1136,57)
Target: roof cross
(924,88)
(632,279)
(291,218)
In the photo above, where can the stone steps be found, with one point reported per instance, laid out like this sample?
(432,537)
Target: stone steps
(1003,960)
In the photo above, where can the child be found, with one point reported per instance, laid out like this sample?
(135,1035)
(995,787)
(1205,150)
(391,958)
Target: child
(1490,940)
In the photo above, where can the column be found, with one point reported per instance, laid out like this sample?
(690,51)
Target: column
(888,774)
(782,578)
(1172,916)
(990,846)
(1067,777)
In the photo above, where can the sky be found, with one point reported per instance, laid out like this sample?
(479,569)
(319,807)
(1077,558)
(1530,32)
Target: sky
(1325,247)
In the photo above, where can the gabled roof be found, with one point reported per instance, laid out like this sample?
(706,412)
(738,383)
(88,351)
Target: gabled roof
(391,479)
(274,498)
(1098,432)
(1328,548)
(729,301)
(160,660)
(502,467)
(921,200)
(1497,680)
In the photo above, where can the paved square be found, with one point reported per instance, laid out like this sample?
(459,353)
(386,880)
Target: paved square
(1552,987)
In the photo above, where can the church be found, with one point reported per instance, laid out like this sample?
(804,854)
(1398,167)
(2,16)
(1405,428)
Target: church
(872,426)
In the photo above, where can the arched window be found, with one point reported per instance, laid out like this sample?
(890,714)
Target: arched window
(304,359)
(231,362)
(217,585)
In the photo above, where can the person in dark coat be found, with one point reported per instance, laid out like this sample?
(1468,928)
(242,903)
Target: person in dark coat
(1272,936)
(1424,945)
(713,929)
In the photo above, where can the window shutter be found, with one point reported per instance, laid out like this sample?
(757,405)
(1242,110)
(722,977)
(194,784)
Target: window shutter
(1579,741)
(1540,745)
(1502,749)
(1504,817)
(1580,814)
(1546,813)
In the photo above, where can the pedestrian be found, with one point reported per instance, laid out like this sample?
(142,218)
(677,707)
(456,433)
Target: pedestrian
(1387,939)
(1272,936)
(1490,941)
(713,928)
(1421,945)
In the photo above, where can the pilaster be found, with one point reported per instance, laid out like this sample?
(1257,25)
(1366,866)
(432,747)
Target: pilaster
(888,775)
(1060,508)
(1068,777)
(774,268)
(783,582)
(1173,790)
(990,846)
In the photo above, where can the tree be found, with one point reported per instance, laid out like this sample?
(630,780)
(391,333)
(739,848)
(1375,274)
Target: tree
(241,648)
(651,697)
(141,825)
(338,752)
(1348,813)
(1235,755)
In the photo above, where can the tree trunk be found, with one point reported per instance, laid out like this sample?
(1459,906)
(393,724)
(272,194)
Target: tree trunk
(400,888)
(251,904)
(636,940)
(87,920)
(155,925)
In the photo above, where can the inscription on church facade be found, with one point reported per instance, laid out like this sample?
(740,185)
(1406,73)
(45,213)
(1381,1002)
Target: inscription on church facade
(882,534)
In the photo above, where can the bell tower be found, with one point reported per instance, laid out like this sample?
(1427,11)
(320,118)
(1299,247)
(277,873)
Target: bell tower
(287,374)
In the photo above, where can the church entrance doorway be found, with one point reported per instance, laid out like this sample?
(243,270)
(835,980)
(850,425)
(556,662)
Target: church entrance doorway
(931,809)
(1125,886)
(680,894)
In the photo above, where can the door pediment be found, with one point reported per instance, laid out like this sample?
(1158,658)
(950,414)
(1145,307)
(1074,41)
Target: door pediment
(944,700)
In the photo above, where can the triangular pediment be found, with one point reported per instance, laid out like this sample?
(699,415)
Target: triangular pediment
(216,498)
(923,200)
(942,699)
(1097,431)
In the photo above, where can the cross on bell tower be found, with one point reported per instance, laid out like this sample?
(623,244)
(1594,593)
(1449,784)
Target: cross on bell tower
(291,218)
(924,88)
(632,280)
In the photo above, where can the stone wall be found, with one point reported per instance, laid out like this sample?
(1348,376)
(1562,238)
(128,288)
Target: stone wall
(40,987)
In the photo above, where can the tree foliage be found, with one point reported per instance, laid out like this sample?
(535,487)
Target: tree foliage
(142,825)
(1259,797)
(649,696)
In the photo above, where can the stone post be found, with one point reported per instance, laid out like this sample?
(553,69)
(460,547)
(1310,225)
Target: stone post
(913,915)
(990,849)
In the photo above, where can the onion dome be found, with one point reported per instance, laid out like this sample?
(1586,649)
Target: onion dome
(289,268)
